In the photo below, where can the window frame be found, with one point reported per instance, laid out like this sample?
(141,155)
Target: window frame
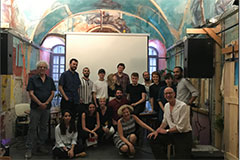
(57,96)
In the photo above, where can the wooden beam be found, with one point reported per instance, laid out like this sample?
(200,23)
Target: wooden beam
(209,31)
(212,34)
(195,31)
(218,101)
(229,49)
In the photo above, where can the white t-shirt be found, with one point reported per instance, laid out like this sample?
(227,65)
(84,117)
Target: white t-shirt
(101,89)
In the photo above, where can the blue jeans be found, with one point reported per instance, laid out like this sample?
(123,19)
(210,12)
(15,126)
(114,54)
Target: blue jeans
(38,127)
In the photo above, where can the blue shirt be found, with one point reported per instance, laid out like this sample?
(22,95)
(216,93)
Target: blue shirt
(42,90)
(70,83)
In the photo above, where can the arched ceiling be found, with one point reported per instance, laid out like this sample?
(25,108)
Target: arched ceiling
(140,16)
(165,20)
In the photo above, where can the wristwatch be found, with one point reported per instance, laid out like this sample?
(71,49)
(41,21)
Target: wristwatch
(167,130)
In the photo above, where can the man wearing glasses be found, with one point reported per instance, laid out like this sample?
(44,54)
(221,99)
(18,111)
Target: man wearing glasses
(179,133)
(41,90)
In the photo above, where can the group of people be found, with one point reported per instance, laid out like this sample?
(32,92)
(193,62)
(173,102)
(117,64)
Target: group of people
(110,108)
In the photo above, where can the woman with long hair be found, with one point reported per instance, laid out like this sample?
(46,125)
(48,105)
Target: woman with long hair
(113,85)
(90,124)
(66,138)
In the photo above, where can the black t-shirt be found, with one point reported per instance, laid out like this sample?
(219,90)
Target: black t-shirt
(153,93)
(135,92)
(105,119)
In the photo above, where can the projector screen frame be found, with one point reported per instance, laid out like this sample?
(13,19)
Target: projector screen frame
(142,62)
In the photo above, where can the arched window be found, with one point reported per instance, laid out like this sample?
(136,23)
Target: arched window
(152,59)
(57,68)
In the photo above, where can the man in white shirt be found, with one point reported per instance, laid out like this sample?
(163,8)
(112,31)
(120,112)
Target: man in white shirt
(179,133)
(100,88)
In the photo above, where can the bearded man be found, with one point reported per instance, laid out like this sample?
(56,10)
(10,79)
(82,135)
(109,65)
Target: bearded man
(85,90)
(115,104)
(69,84)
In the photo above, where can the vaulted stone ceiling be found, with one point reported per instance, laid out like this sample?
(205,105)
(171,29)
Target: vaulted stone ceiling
(165,20)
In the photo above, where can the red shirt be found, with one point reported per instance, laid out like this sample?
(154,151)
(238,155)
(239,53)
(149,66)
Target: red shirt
(115,105)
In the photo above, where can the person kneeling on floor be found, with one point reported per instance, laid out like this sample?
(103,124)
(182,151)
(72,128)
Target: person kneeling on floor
(125,138)
(66,139)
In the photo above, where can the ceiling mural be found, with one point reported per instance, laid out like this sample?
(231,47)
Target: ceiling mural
(165,20)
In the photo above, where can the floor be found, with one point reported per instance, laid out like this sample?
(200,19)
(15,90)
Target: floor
(102,151)
(108,151)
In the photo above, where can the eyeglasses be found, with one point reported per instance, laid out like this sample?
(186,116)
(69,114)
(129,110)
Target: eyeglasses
(168,93)
(42,67)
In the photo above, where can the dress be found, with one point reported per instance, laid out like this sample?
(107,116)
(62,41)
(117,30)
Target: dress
(90,122)
(128,127)
(106,119)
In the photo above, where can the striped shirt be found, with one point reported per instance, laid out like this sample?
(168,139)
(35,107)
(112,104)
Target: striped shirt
(86,91)
(128,127)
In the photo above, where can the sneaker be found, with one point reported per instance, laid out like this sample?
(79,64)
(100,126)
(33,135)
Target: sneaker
(28,154)
(43,150)
(82,154)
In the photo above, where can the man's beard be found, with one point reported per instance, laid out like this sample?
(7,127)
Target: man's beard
(119,97)
(86,75)
(178,77)
(73,68)
(147,79)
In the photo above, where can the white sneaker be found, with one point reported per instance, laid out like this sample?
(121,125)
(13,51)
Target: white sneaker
(28,154)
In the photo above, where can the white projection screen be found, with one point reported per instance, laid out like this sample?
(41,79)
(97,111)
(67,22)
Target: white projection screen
(106,50)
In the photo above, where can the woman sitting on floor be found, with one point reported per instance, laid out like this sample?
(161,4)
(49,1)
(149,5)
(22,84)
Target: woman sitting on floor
(66,139)
(105,114)
(125,138)
(90,124)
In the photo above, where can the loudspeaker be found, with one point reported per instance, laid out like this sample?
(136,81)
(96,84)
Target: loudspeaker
(198,58)
(236,2)
(6,51)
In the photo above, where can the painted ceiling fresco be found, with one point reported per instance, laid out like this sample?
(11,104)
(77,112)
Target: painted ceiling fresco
(165,20)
